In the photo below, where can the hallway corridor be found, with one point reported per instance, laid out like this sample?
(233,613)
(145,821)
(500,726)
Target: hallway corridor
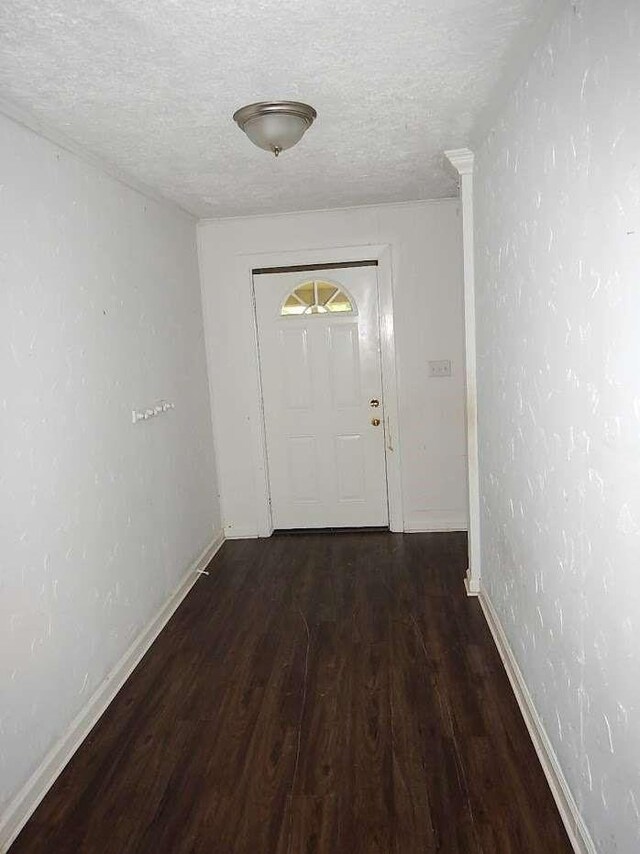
(326,693)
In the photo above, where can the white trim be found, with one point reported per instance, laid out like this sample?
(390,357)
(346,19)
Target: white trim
(462,160)
(264,519)
(233,532)
(205,220)
(27,799)
(207,311)
(42,128)
(574,823)
(390,389)
(331,255)
(471,584)
(427,521)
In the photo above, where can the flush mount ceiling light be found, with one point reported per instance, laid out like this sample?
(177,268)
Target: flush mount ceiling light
(275,125)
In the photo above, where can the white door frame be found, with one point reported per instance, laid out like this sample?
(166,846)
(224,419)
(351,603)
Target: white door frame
(332,255)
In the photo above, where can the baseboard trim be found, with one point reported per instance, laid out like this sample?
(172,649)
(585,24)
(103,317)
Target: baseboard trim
(232,532)
(577,831)
(427,525)
(27,799)
(471,584)
(435,522)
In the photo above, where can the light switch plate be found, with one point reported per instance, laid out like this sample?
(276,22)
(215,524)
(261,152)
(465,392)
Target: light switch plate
(441,368)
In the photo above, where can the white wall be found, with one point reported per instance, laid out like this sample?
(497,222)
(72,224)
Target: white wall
(558,308)
(100,519)
(425,241)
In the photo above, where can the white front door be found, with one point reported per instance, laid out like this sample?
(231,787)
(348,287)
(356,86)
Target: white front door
(319,344)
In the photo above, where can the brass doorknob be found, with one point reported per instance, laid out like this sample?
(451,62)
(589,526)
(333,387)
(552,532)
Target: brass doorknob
(375,422)
(374,403)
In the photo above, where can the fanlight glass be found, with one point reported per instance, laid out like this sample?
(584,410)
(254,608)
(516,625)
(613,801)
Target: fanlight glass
(316,298)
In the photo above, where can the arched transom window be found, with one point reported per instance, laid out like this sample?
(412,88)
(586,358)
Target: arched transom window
(316,297)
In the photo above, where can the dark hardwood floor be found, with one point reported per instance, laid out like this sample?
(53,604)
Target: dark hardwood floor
(315,694)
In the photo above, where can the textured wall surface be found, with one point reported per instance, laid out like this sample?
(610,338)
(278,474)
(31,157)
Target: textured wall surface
(100,519)
(151,85)
(425,240)
(558,305)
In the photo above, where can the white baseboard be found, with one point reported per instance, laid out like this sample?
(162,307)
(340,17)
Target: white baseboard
(27,799)
(236,532)
(436,521)
(471,583)
(433,521)
(579,836)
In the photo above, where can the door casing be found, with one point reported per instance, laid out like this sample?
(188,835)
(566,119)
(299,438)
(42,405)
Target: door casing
(332,255)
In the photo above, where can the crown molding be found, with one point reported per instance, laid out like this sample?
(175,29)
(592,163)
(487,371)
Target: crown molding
(209,220)
(461,159)
(46,131)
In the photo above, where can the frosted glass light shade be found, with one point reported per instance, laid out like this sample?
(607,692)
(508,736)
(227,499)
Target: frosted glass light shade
(275,125)
(275,131)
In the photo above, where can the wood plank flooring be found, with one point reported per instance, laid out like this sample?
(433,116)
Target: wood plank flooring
(315,694)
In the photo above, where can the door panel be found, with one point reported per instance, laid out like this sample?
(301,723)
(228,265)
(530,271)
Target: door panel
(302,460)
(297,389)
(344,356)
(320,367)
(350,452)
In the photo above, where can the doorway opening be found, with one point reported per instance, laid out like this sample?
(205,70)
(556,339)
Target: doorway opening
(320,360)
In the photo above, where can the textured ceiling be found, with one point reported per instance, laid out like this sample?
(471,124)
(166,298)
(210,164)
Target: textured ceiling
(151,85)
